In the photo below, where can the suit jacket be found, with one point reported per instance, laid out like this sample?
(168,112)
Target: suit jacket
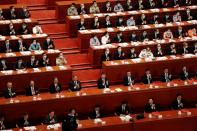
(2,68)
(120,110)
(79,26)
(183,77)
(148,108)
(118,40)
(29,91)
(163,79)
(4,49)
(52,88)
(118,23)
(101,85)
(22,123)
(49,120)
(24,15)
(145,80)
(117,57)
(46,45)
(32,65)
(7,94)
(42,63)
(132,55)
(18,45)
(126,80)
(72,86)
(105,58)
(93,115)
(69,123)
(22,31)
(16,66)
(176,106)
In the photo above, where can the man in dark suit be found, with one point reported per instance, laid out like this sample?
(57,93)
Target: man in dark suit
(132,54)
(12,12)
(33,63)
(166,76)
(48,44)
(44,61)
(20,45)
(32,89)
(178,103)
(119,54)
(50,118)
(7,47)
(96,113)
(24,121)
(123,109)
(24,13)
(147,78)
(103,82)
(23,29)
(2,124)
(75,84)
(120,22)
(9,91)
(3,65)
(81,25)
(184,74)
(19,64)
(118,38)
(133,37)
(69,123)
(55,87)
(128,79)
(150,106)
(106,56)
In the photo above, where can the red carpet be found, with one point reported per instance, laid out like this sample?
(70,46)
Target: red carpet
(74,59)
(43,14)
(65,43)
(53,28)
(32,2)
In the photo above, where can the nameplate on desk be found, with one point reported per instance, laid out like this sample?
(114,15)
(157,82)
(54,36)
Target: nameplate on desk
(188,55)
(8,72)
(13,37)
(36,70)
(27,20)
(49,68)
(96,31)
(10,54)
(110,29)
(54,126)
(137,60)
(121,13)
(123,44)
(99,15)
(16,21)
(75,17)
(40,35)
(27,36)
(38,52)
(30,128)
(166,9)
(169,24)
(161,58)
(25,53)
(2,37)
(133,12)
(21,71)
(62,67)
(154,10)
(118,89)
(144,11)
(85,31)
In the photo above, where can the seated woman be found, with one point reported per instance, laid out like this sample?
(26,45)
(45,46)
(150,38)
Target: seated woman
(60,60)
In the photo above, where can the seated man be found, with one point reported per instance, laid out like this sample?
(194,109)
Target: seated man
(32,89)
(118,38)
(96,113)
(24,121)
(132,54)
(129,5)
(107,7)
(123,109)
(1,15)
(131,21)
(180,33)
(185,49)
(24,29)
(144,36)
(24,13)
(128,79)
(96,23)
(72,10)
(157,35)
(133,37)
(60,60)
(3,65)
(48,44)
(119,54)
(44,61)
(11,29)
(105,39)
(168,34)
(120,22)
(50,118)
(9,91)
(118,7)
(37,29)
(143,19)
(7,47)
(159,51)
(106,56)
(177,17)
(94,8)
(150,106)
(19,64)
(178,103)
(147,78)
(12,13)
(33,63)
(140,4)
(146,53)
(166,76)
(75,84)
(55,87)
(70,122)
(21,46)
(81,25)
(107,21)
(103,82)
(2,125)
(189,14)
(35,46)
(172,50)
(195,48)
(94,41)
(82,9)
(184,74)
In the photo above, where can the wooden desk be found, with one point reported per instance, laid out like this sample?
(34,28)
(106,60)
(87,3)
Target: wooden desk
(85,35)
(95,52)
(4,25)
(73,21)
(116,70)
(43,77)
(136,97)
(11,58)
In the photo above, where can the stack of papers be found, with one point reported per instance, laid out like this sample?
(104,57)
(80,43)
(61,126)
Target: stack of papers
(49,68)
(123,44)
(30,128)
(118,89)
(75,17)
(54,126)
(25,53)
(36,70)
(38,52)
(62,67)
(27,36)
(8,72)
(27,20)
(10,54)
(137,60)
